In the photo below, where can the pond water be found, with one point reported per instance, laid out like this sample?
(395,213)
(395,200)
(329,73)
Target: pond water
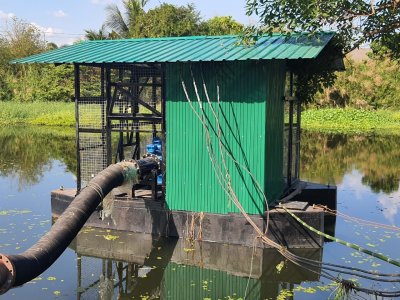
(101,264)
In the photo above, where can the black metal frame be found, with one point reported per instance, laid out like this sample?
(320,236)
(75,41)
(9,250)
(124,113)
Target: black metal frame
(77,144)
(292,175)
(120,102)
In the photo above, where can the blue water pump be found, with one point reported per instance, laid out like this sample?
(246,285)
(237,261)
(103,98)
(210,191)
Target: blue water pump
(155,148)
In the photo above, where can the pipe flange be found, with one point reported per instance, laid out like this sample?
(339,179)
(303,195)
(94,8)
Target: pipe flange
(8,271)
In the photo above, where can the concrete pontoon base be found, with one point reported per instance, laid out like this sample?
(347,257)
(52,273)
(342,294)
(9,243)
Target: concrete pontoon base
(152,217)
(144,249)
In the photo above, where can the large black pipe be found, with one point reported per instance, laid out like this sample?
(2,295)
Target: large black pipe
(18,269)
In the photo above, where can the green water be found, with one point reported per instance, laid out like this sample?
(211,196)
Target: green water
(102,264)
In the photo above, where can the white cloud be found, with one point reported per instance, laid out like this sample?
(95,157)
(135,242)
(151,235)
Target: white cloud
(5,16)
(58,36)
(391,205)
(48,31)
(353,182)
(59,14)
(70,41)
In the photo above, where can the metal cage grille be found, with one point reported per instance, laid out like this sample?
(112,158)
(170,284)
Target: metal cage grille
(92,155)
(291,134)
(115,103)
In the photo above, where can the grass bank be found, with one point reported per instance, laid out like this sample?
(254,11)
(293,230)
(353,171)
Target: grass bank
(326,120)
(350,120)
(37,113)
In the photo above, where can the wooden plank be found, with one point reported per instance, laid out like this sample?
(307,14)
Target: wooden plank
(295,205)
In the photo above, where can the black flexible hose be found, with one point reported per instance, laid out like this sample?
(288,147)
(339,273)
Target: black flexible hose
(34,261)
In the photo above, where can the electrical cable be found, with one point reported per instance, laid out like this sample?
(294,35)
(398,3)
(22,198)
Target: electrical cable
(231,195)
(345,243)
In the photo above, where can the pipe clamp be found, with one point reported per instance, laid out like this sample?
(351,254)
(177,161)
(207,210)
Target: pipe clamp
(7,274)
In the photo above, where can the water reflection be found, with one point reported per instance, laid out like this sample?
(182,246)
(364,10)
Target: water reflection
(326,158)
(366,169)
(27,152)
(391,205)
(114,264)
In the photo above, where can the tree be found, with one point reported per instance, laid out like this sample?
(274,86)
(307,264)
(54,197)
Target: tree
(30,82)
(51,46)
(19,39)
(164,20)
(222,25)
(101,34)
(168,20)
(22,39)
(123,22)
(356,21)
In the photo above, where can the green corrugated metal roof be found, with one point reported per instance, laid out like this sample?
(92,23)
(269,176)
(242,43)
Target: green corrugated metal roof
(174,49)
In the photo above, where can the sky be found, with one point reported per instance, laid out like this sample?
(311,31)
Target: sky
(64,21)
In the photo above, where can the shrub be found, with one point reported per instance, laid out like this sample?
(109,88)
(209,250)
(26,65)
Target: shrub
(370,84)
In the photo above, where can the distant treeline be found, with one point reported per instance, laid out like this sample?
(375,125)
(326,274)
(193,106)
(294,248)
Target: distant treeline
(28,83)
(371,84)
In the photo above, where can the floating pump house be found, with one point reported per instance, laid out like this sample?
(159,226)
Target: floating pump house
(208,121)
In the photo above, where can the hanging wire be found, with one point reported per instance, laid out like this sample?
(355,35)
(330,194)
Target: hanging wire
(345,243)
(354,219)
(224,179)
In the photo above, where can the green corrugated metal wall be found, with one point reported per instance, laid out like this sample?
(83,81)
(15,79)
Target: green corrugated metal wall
(251,118)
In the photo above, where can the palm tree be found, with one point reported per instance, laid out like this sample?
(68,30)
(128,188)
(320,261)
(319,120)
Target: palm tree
(101,34)
(122,22)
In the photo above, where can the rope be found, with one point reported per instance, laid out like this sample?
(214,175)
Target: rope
(228,189)
(97,188)
(223,147)
(225,179)
(357,220)
(251,267)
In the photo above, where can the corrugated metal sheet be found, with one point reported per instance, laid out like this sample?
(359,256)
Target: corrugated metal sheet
(251,118)
(184,49)
(274,182)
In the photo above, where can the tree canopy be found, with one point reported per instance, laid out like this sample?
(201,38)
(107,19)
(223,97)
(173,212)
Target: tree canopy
(30,82)
(221,25)
(123,23)
(168,20)
(101,34)
(134,21)
(356,21)
(20,39)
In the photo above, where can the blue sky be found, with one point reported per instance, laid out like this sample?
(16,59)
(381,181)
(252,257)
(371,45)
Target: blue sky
(64,21)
